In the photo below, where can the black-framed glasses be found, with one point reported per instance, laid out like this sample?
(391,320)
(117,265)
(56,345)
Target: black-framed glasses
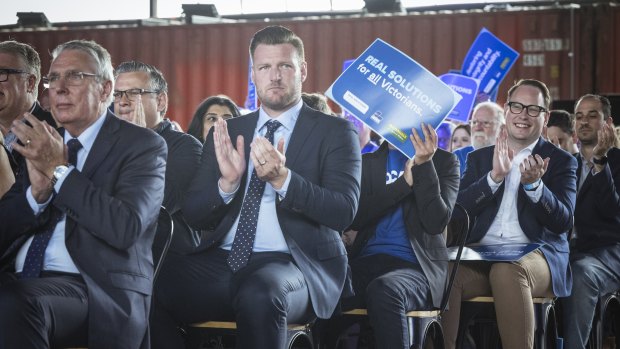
(131,93)
(5,72)
(72,78)
(532,110)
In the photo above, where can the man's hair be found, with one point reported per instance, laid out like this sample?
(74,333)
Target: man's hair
(605,104)
(157,82)
(102,58)
(562,119)
(28,56)
(534,83)
(497,110)
(276,35)
(196,127)
(317,101)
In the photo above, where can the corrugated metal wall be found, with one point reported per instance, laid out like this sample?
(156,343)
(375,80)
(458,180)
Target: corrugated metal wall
(202,60)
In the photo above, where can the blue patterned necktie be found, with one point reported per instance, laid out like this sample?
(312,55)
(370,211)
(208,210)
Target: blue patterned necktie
(33,264)
(246,229)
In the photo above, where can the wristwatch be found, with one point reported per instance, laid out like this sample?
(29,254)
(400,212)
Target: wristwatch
(59,171)
(601,161)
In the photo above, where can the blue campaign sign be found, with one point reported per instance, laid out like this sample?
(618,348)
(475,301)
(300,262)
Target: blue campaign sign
(488,60)
(465,86)
(495,253)
(392,93)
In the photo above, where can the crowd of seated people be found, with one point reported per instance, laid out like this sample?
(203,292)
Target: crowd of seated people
(279,218)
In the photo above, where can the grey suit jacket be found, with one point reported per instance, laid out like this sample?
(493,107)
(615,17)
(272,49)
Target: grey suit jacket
(323,156)
(111,207)
(427,209)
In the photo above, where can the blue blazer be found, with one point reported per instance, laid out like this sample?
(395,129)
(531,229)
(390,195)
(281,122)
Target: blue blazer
(548,221)
(324,158)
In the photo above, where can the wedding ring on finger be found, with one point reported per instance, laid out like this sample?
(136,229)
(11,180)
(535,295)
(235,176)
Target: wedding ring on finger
(262,163)
(28,142)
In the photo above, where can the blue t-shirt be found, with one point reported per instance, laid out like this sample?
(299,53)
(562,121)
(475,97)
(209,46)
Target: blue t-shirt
(461,154)
(391,236)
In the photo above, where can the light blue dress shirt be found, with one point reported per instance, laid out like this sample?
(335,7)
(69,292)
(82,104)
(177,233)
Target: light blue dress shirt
(269,236)
(57,257)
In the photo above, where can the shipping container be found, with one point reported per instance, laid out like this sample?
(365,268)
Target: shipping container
(574,49)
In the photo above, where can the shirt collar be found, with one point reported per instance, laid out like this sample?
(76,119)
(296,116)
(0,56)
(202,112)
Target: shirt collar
(87,138)
(287,119)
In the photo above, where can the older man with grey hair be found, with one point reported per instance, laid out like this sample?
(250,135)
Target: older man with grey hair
(486,122)
(78,225)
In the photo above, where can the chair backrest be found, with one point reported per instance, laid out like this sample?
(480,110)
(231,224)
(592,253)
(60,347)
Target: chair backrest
(461,239)
(163,238)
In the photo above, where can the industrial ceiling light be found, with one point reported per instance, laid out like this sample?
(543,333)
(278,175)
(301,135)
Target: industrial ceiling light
(378,6)
(32,19)
(203,10)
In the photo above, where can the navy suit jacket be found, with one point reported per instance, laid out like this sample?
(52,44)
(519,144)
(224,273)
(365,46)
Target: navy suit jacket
(324,158)
(597,213)
(547,221)
(427,208)
(111,209)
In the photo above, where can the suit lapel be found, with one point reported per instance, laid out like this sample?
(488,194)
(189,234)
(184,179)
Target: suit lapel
(103,144)
(303,128)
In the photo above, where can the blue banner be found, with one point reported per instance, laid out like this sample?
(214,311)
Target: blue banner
(468,89)
(392,93)
(251,102)
(489,59)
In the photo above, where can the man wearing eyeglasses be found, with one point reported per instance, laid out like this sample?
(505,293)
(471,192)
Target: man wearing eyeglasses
(20,73)
(141,97)
(595,244)
(519,191)
(77,228)
(486,122)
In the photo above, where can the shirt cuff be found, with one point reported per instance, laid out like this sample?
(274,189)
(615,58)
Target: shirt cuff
(494,186)
(36,207)
(536,194)
(226,197)
(282,191)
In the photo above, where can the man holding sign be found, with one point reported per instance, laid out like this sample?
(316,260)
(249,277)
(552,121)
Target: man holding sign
(398,259)
(522,190)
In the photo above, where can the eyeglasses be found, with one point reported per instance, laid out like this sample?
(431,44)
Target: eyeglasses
(131,93)
(72,78)
(532,110)
(4,73)
(485,124)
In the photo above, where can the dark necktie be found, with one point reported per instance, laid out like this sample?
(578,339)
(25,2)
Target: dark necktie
(246,229)
(33,263)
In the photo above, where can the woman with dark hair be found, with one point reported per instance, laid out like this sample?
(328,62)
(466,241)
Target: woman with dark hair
(208,112)
(461,137)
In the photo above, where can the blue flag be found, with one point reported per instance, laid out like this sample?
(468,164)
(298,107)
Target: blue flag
(489,59)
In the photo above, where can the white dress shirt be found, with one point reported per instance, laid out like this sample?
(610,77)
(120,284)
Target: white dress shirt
(505,228)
